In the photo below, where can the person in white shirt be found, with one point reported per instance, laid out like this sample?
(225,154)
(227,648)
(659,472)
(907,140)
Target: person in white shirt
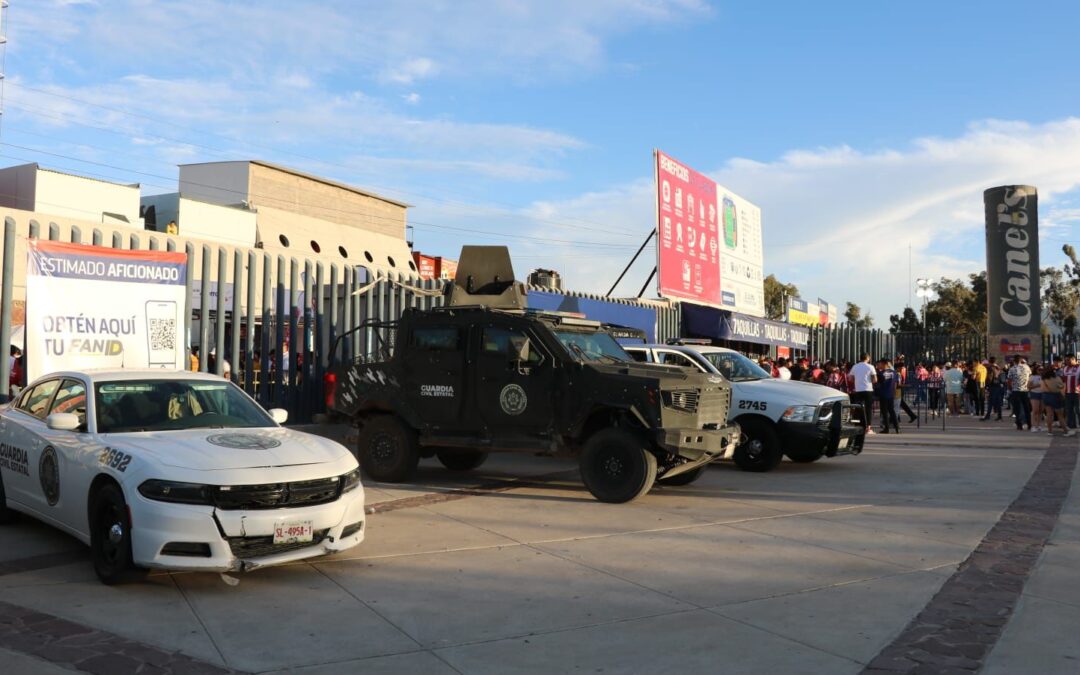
(865,376)
(781,367)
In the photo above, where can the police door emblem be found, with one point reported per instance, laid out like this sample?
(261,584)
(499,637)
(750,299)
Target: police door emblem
(513,400)
(49,474)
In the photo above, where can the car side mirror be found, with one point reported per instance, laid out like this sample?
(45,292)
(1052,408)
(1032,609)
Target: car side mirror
(279,415)
(519,349)
(63,422)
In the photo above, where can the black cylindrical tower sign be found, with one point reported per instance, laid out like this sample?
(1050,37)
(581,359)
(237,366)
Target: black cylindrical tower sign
(1014,313)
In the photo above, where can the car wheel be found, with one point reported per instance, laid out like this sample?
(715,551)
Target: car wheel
(804,456)
(760,451)
(683,478)
(110,537)
(387,450)
(461,460)
(617,466)
(6,515)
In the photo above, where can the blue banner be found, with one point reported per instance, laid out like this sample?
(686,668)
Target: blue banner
(720,325)
(633,316)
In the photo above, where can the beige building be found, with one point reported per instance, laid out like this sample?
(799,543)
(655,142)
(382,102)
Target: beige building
(298,213)
(28,187)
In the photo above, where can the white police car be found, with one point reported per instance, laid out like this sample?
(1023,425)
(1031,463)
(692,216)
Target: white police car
(174,470)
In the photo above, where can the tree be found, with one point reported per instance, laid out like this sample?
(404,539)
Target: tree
(1061,297)
(775,294)
(855,319)
(908,322)
(958,309)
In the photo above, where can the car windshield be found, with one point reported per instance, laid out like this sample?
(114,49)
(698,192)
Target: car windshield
(167,405)
(736,367)
(592,346)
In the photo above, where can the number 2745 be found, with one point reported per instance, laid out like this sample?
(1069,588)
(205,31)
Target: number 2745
(753,405)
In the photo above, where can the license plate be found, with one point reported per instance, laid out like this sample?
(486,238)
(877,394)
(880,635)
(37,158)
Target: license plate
(293,532)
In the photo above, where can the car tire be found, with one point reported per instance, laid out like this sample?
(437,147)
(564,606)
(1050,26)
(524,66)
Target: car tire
(387,450)
(803,456)
(683,478)
(7,516)
(461,460)
(761,450)
(617,466)
(110,537)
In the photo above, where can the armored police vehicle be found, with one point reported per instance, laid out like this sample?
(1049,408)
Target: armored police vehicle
(483,374)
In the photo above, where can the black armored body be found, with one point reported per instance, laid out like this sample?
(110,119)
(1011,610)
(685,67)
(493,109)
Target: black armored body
(484,374)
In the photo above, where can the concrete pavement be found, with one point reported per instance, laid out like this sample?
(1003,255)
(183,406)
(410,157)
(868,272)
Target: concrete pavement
(811,568)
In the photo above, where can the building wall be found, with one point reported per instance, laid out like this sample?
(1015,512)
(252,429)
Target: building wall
(62,194)
(298,194)
(226,224)
(17,185)
(216,182)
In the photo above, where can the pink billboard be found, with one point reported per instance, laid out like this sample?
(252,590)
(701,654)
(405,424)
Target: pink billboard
(688,248)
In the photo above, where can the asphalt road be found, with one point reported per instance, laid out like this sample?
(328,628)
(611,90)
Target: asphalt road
(820,568)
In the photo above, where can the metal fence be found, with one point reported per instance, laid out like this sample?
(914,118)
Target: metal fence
(846,343)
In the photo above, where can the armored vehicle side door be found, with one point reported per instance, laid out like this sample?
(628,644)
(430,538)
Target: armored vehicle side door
(434,365)
(514,391)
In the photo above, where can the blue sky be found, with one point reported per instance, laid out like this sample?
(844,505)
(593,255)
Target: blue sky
(859,128)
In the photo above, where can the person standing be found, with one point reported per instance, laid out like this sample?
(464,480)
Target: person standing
(1035,398)
(935,384)
(902,386)
(782,371)
(863,378)
(954,387)
(1053,399)
(980,388)
(1071,375)
(1019,396)
(995,390)
(885,389)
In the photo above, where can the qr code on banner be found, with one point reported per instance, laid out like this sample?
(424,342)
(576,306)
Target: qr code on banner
(162,334)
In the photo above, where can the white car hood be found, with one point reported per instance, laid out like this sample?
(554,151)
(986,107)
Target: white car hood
(806,391)
(216,449)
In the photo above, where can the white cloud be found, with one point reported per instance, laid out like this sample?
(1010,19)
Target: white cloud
(411,98)
(409,71)
(838,221)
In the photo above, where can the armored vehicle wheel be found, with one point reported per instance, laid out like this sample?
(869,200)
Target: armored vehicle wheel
(804,456)
(387,450)
(761,450)
(110,537)
(617,466)
(461,460)
(683,478)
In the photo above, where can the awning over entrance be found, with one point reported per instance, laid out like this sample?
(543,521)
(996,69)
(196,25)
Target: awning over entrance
(720,325)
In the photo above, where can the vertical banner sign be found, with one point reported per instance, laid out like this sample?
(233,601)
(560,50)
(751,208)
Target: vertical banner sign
(741,256)
(688,249)
(1014,312)
(95,307)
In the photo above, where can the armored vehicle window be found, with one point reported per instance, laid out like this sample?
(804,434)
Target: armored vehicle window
(638,354)
(674,359)
(502,341)
(592,346)
(438,339)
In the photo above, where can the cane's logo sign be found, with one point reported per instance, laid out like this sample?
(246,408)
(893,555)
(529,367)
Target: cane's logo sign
(1014,304)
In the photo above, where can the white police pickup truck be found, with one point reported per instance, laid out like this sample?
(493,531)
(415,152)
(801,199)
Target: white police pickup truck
(778,417)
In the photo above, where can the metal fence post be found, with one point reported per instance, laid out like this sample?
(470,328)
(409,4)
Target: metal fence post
(8,281)
(204,311)
(219,324)
(189,283)
(237,314)
(295,353)
(249,338)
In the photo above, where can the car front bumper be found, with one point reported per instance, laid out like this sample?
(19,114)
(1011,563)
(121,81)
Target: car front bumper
(700,445)
(240,540)
(812,437)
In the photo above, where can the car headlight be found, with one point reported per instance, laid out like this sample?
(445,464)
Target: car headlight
(350,480)
(178,493)
(799,413)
